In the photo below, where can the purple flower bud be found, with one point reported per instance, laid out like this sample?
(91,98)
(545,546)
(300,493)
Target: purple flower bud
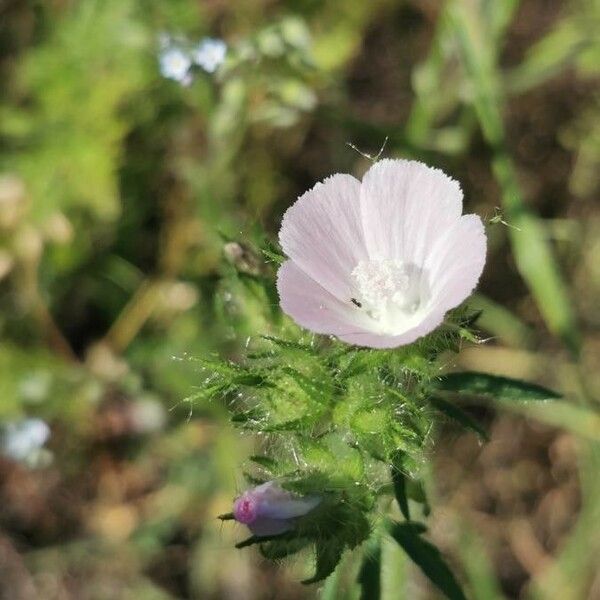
(268,509)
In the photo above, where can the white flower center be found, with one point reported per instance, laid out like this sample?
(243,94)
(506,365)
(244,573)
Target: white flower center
(391,292)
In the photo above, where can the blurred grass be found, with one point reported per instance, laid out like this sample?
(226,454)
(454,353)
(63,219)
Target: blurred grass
(118,186)
(532,252)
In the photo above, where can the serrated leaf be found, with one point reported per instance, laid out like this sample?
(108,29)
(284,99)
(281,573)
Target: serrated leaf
(273,256)
(232,373)
(457,414)
(249,416)
(399,481)
(315,389)
(369,576)
(288,344)
(291,425)
(427,557)
(251,380)
(329,554)
(494,386)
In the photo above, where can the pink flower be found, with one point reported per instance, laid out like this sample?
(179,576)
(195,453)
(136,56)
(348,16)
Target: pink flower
(270,510)
(378,263)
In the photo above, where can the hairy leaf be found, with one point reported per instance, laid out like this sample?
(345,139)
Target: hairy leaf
(316,389)
(329,554)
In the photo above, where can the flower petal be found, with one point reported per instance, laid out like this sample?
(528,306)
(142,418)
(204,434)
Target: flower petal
(374,340)
(322,233)
(456,262)
(313,307)
(405,207)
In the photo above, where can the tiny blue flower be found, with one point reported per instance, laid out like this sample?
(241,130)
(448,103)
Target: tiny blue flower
(21,439)
(175,64)
(210,54)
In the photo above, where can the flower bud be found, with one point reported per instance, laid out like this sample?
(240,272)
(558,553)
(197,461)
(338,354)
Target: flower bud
(268,509)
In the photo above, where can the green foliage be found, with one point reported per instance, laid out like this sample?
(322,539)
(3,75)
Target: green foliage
(495,387)
(69,131)
(399,479)
(457,414)
(427,557)
(341,422)
(335,421)
(369,576)
(121,190)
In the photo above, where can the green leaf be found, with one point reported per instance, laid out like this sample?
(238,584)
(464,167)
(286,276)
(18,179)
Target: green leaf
(427,557)
(459,415)
(316,388)
(415,490)
(494,386)
(259,539)
(288,344)
(369,576)
(278,549)
(273,256)
(329,554)
(246,418)
(399,480)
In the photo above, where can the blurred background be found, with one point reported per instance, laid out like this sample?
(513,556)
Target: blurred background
(144,146)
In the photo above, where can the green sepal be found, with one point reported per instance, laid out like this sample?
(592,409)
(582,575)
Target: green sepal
(329,553)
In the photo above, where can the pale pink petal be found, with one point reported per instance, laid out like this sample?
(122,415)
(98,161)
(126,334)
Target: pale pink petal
(277,503)
(313,307)
(405,207)
(374,340)
(322,233)
(456,262)
(350,244)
